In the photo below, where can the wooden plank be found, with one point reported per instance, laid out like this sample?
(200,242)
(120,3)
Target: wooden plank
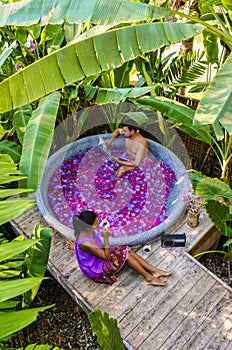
(222,338)
(195,315)
(136,309)
(163,317)
(134,289)
(213,328)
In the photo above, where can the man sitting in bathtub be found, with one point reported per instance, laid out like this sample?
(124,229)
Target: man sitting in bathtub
(136,147)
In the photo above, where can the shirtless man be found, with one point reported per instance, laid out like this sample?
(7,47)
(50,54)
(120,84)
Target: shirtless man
(136,147)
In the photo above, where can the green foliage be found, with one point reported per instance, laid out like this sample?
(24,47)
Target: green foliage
(39,347)
(106,330)
(37,139)
(218,201)
(178,114)
(117,11)
(11,148)
(21,118)
(165,68)
(218,198)
(218,114)
(13,321)
(22,267)
(13,207)
(37,258)
(86,58)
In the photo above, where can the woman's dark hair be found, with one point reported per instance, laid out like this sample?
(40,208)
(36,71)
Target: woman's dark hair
(83,221)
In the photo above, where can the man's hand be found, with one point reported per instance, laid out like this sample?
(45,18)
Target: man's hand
(116,159)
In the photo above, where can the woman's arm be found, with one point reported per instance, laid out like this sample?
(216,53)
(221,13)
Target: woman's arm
(92,248)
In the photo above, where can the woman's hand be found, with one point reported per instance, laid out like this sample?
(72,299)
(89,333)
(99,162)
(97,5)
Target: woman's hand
(105,232)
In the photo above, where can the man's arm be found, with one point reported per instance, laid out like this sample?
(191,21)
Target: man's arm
(140,155)
(115,134)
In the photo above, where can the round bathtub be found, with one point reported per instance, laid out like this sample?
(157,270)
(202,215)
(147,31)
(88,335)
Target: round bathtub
(140,206)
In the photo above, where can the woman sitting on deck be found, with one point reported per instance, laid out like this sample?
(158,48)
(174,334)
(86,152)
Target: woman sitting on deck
(101,264)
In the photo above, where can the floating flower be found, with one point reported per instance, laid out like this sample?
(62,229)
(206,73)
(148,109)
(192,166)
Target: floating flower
(87,181)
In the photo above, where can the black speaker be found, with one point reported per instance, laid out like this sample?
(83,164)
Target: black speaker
(175,240)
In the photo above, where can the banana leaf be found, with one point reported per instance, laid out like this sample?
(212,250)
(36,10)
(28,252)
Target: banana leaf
(21,119)
(87,58)
(39,347)
(103,95)
(6,53)
(12,288)
(38,138)
(11,322)
(42,12)
(13,191)
(11,148)
(179,115)
(37,259)
(9,304)
(10,209)
(217,113)
(14,248)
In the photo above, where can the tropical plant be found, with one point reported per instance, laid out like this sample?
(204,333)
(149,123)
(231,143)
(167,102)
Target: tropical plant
(218,204)
(23,265)
(9,174)
(106,330)
(183,118)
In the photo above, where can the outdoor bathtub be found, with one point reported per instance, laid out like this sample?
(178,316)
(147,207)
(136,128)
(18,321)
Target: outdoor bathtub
(56,189)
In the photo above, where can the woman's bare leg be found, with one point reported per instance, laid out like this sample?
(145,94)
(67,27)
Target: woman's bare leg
(153,270)
(149,278)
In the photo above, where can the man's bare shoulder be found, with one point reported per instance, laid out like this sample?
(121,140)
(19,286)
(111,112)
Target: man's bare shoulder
(142,140)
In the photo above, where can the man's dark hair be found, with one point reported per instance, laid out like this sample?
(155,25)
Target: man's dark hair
(131,124)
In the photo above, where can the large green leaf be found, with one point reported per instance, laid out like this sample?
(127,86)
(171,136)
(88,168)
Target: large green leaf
(14,248)
(103,95)
(11,322)
(21,118)
(179,114)
(88,57)
(13,191)
(218,214)
(27,13)
(37,259)
(106,329)
(217,196)
(6,52)
(12,288)
(11,148)
(10,209)
(216,105)
(38,138)
(210,189)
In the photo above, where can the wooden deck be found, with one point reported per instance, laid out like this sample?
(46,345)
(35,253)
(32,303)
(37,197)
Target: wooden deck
(194,311)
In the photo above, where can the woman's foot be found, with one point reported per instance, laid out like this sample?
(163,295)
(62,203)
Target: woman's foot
(161,273)
(155,282)
(70,245)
